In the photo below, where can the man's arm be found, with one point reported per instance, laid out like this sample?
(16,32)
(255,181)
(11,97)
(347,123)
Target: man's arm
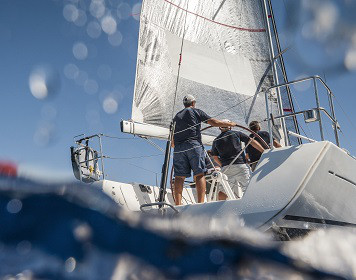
(172,143)
(217,160)
(276,144)
(218,123)
(257,146)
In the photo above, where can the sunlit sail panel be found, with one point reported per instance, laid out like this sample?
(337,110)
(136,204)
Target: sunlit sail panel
(224,63)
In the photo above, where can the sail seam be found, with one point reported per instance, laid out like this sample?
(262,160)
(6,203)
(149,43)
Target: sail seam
(216,22)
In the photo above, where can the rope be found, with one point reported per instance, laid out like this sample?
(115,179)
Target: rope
(128,158)
(152,143)
(120,138)
(346,115)
(220,23)
(201,145)
(180,61)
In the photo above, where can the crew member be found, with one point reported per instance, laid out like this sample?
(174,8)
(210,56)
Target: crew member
(253,154)
(225,149)
(188,148)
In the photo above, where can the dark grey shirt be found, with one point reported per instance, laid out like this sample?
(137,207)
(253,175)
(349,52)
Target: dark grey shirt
(188,123)
(228,145)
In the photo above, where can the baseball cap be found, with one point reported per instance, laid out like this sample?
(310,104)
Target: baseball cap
(225,120)
(188,99)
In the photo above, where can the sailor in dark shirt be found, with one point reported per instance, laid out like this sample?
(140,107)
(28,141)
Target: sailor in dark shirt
(253,154)
(225,149)
(188,148)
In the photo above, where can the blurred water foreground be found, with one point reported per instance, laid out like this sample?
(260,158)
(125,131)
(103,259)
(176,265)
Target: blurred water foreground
(74,231)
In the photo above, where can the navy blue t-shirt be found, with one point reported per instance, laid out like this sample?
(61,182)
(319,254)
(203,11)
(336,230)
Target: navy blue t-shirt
(227,145)
(188,124)
(254,154)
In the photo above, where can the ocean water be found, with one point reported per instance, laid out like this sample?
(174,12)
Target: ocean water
(74,231)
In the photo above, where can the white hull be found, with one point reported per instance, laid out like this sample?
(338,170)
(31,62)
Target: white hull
(293,190)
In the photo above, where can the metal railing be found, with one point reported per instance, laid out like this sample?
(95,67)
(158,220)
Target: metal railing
(319,109)
(86,138)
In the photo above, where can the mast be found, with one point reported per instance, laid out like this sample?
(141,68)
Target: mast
(284,72)
(165,167)
(275,74)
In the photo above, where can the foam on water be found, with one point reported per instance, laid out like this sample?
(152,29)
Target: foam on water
(333,250)
(74,231)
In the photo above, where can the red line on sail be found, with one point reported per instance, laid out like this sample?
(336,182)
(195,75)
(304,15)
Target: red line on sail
(223,24)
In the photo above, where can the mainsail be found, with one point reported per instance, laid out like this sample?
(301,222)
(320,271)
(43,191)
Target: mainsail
(217,50)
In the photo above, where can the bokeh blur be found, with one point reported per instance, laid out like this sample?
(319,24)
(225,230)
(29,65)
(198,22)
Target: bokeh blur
(67,67)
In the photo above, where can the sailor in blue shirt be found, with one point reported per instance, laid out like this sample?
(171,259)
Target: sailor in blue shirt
(253,154)
(225,149)
(188,148)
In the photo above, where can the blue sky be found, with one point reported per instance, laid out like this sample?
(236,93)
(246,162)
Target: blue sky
(48,38)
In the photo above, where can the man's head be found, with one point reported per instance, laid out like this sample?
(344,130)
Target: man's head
(255,126)
(189,100)
(225,128)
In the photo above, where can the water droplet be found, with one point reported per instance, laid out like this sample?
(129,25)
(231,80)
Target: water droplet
(94,29)
(97,8)
(14,206)
(123,11)
(70,264)
(110,105)
(81,19)
(108,24)
(350,59)
(80,51)
(70,12)
(83,232)
(43,82)
(115,39)
(136,10)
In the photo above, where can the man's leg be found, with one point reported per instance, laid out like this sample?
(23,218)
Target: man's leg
(222,196)
(200,185)
(178,189)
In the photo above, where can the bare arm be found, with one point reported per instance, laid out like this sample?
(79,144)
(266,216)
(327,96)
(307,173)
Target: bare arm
(217,160)
(247,157)
(257,145)
(172,143)
(276,144)
(218,123)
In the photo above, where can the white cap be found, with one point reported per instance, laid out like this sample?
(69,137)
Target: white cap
(225,120)
(188,99)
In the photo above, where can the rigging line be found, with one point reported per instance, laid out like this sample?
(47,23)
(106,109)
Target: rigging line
(128,158)
(192,126)
(180,60)
(142,168)
(152,143)
(220,23)
(202,145)
(312,136)
(344,112)
(218,10)
(120,138)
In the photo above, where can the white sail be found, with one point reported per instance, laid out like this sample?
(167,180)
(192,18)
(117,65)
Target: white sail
(225,61)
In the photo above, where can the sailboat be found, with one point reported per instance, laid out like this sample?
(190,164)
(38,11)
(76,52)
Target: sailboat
(227,54)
